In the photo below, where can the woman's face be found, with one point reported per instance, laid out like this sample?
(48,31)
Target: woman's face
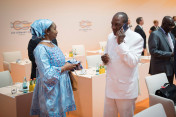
(52,32)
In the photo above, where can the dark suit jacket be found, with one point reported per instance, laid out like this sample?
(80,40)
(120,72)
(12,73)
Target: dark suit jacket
(142,33)
(174,31)
(161,60)
(31,46)
(175,58)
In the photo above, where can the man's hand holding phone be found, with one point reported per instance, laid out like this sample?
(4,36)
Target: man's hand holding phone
(121,35)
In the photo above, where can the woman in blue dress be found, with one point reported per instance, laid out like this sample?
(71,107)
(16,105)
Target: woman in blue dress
(53,95)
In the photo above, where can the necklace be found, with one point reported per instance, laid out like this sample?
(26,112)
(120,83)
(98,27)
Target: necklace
(48,41)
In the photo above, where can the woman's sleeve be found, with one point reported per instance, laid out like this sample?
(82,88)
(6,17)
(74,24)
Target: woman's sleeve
(49,73)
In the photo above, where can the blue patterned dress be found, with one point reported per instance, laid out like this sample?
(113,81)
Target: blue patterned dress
(53,95)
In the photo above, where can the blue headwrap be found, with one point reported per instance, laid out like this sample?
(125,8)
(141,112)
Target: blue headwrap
(38,28)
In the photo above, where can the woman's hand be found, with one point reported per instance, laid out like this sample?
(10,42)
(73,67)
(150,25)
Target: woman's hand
(68,66)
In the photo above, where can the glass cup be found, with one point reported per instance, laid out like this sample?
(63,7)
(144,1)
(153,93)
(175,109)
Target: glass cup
(13,89)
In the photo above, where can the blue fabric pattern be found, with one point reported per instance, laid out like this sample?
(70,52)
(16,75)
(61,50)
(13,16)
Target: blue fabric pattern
(53,95)
(39,26)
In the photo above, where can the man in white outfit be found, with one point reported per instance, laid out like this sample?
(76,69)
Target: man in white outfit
(122,55)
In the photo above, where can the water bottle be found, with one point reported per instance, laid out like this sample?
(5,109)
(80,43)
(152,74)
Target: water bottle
(25,87)
(97,69)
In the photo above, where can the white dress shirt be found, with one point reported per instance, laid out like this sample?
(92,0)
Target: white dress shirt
(122,71)
(141,27)
(170,42)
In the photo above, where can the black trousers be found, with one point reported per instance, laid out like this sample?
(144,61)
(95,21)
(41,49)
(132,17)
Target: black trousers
(142,53)
(170,79)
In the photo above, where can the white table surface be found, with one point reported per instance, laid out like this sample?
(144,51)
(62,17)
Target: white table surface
(94,52)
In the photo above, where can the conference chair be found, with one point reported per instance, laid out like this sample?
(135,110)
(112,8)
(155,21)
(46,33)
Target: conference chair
(153,111)
(94,60)
(103,44)
(79,49)
(5,79)
(9,57)
(154,83)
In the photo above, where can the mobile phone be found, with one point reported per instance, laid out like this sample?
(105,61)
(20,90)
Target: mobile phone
(125,27)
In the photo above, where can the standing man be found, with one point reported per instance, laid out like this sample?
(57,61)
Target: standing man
(155,27)
(129,23)
(174,29)
(31,46)
(139,29)
(121,56)
(161,47)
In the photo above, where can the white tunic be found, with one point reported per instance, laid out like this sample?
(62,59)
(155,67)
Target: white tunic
(122,72)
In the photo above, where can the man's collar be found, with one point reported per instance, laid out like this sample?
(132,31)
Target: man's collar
(163,30)
(140,26)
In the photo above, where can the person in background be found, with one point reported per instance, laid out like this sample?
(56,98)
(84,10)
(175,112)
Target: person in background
(31,46)
(129,23)
(139,29)
(161,47)
(122,55)
(155,27)
(174,29)
(53,95)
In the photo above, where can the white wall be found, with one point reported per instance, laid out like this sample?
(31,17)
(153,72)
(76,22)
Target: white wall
(67,15)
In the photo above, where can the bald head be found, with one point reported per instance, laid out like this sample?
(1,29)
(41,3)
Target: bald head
(167,20)
(167,23)
(122,15)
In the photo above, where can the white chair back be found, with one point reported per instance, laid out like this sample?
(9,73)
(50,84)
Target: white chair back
(11,56)
(79,49)
(5,79)
(155,82)
(153,111)
(102,44)
(93,60)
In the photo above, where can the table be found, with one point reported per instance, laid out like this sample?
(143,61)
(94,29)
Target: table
(15,105)
(95,52)
(89,97)
(20,70)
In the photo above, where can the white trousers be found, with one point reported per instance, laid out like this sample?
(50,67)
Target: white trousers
(125,107)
